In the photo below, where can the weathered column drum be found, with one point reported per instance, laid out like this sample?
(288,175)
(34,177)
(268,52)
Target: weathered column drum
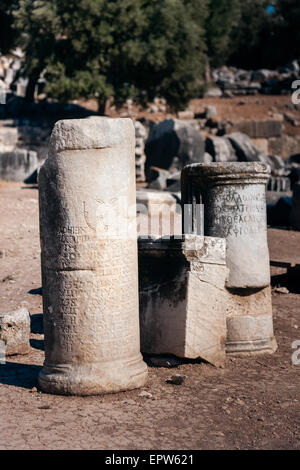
(234,201)
(233,197)
(89,259)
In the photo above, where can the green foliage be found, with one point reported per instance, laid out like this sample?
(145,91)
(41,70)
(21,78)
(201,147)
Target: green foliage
(224,17)
(118,48)
(144,48)
(288,31)
(8,34)
(253,35)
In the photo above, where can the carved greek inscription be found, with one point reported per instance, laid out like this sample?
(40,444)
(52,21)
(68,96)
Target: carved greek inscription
(238,213)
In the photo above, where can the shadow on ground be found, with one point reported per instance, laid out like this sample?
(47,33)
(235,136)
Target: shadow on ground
(19,375)
(38,291)
(37,327)
(290,280)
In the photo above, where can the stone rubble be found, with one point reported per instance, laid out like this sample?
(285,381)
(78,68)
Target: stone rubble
(233,81)
(15,331)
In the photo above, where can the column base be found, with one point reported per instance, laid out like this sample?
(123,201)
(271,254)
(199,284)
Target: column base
(93,379)
(251,348)
(250,334)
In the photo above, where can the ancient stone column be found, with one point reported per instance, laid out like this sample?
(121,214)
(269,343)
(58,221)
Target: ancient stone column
(89,259)
(233,196)
(234,201)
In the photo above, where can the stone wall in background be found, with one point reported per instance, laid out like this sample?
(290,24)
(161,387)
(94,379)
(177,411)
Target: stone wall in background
(231,81)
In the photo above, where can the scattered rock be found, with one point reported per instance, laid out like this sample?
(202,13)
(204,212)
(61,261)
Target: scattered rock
(129,402)
(153,108)
(172,144)
(281,290)
(187,114)
(164,361)
(232,81)
(227,94)
(17,164)
(157,178)
(210,112)
(15,331)
(177,379)
(220,148)
(145,394)
(213,93)
(244,147)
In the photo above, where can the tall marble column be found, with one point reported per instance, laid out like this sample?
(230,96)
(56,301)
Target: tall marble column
(89,259)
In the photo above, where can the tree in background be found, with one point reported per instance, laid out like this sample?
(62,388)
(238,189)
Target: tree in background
(37,23)
(224,17)
(288,29)
(144,48)
(267,35)
(8,34)
(252,35)
(121,48)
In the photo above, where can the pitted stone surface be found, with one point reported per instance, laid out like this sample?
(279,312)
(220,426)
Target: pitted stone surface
(91,133)
(183,298)
(91,323)
(233,195)
(250,322)
(15,331)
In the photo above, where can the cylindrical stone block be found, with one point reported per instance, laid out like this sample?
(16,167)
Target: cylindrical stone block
(250,322)
(233,195)
(89,259)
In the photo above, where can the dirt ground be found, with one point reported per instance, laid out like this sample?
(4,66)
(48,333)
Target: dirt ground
(252,403)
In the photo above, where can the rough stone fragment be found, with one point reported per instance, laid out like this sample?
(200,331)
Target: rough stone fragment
(182,297)
(244,147)
(164,361)
(15,331)
(221,149)
(262,75)
(17,164)
(187,114)
(89,268)
(285,146)
(176,379)
(8,137)
(157,178)
(214,92)
(261,145)
(210,112)
(170,139)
